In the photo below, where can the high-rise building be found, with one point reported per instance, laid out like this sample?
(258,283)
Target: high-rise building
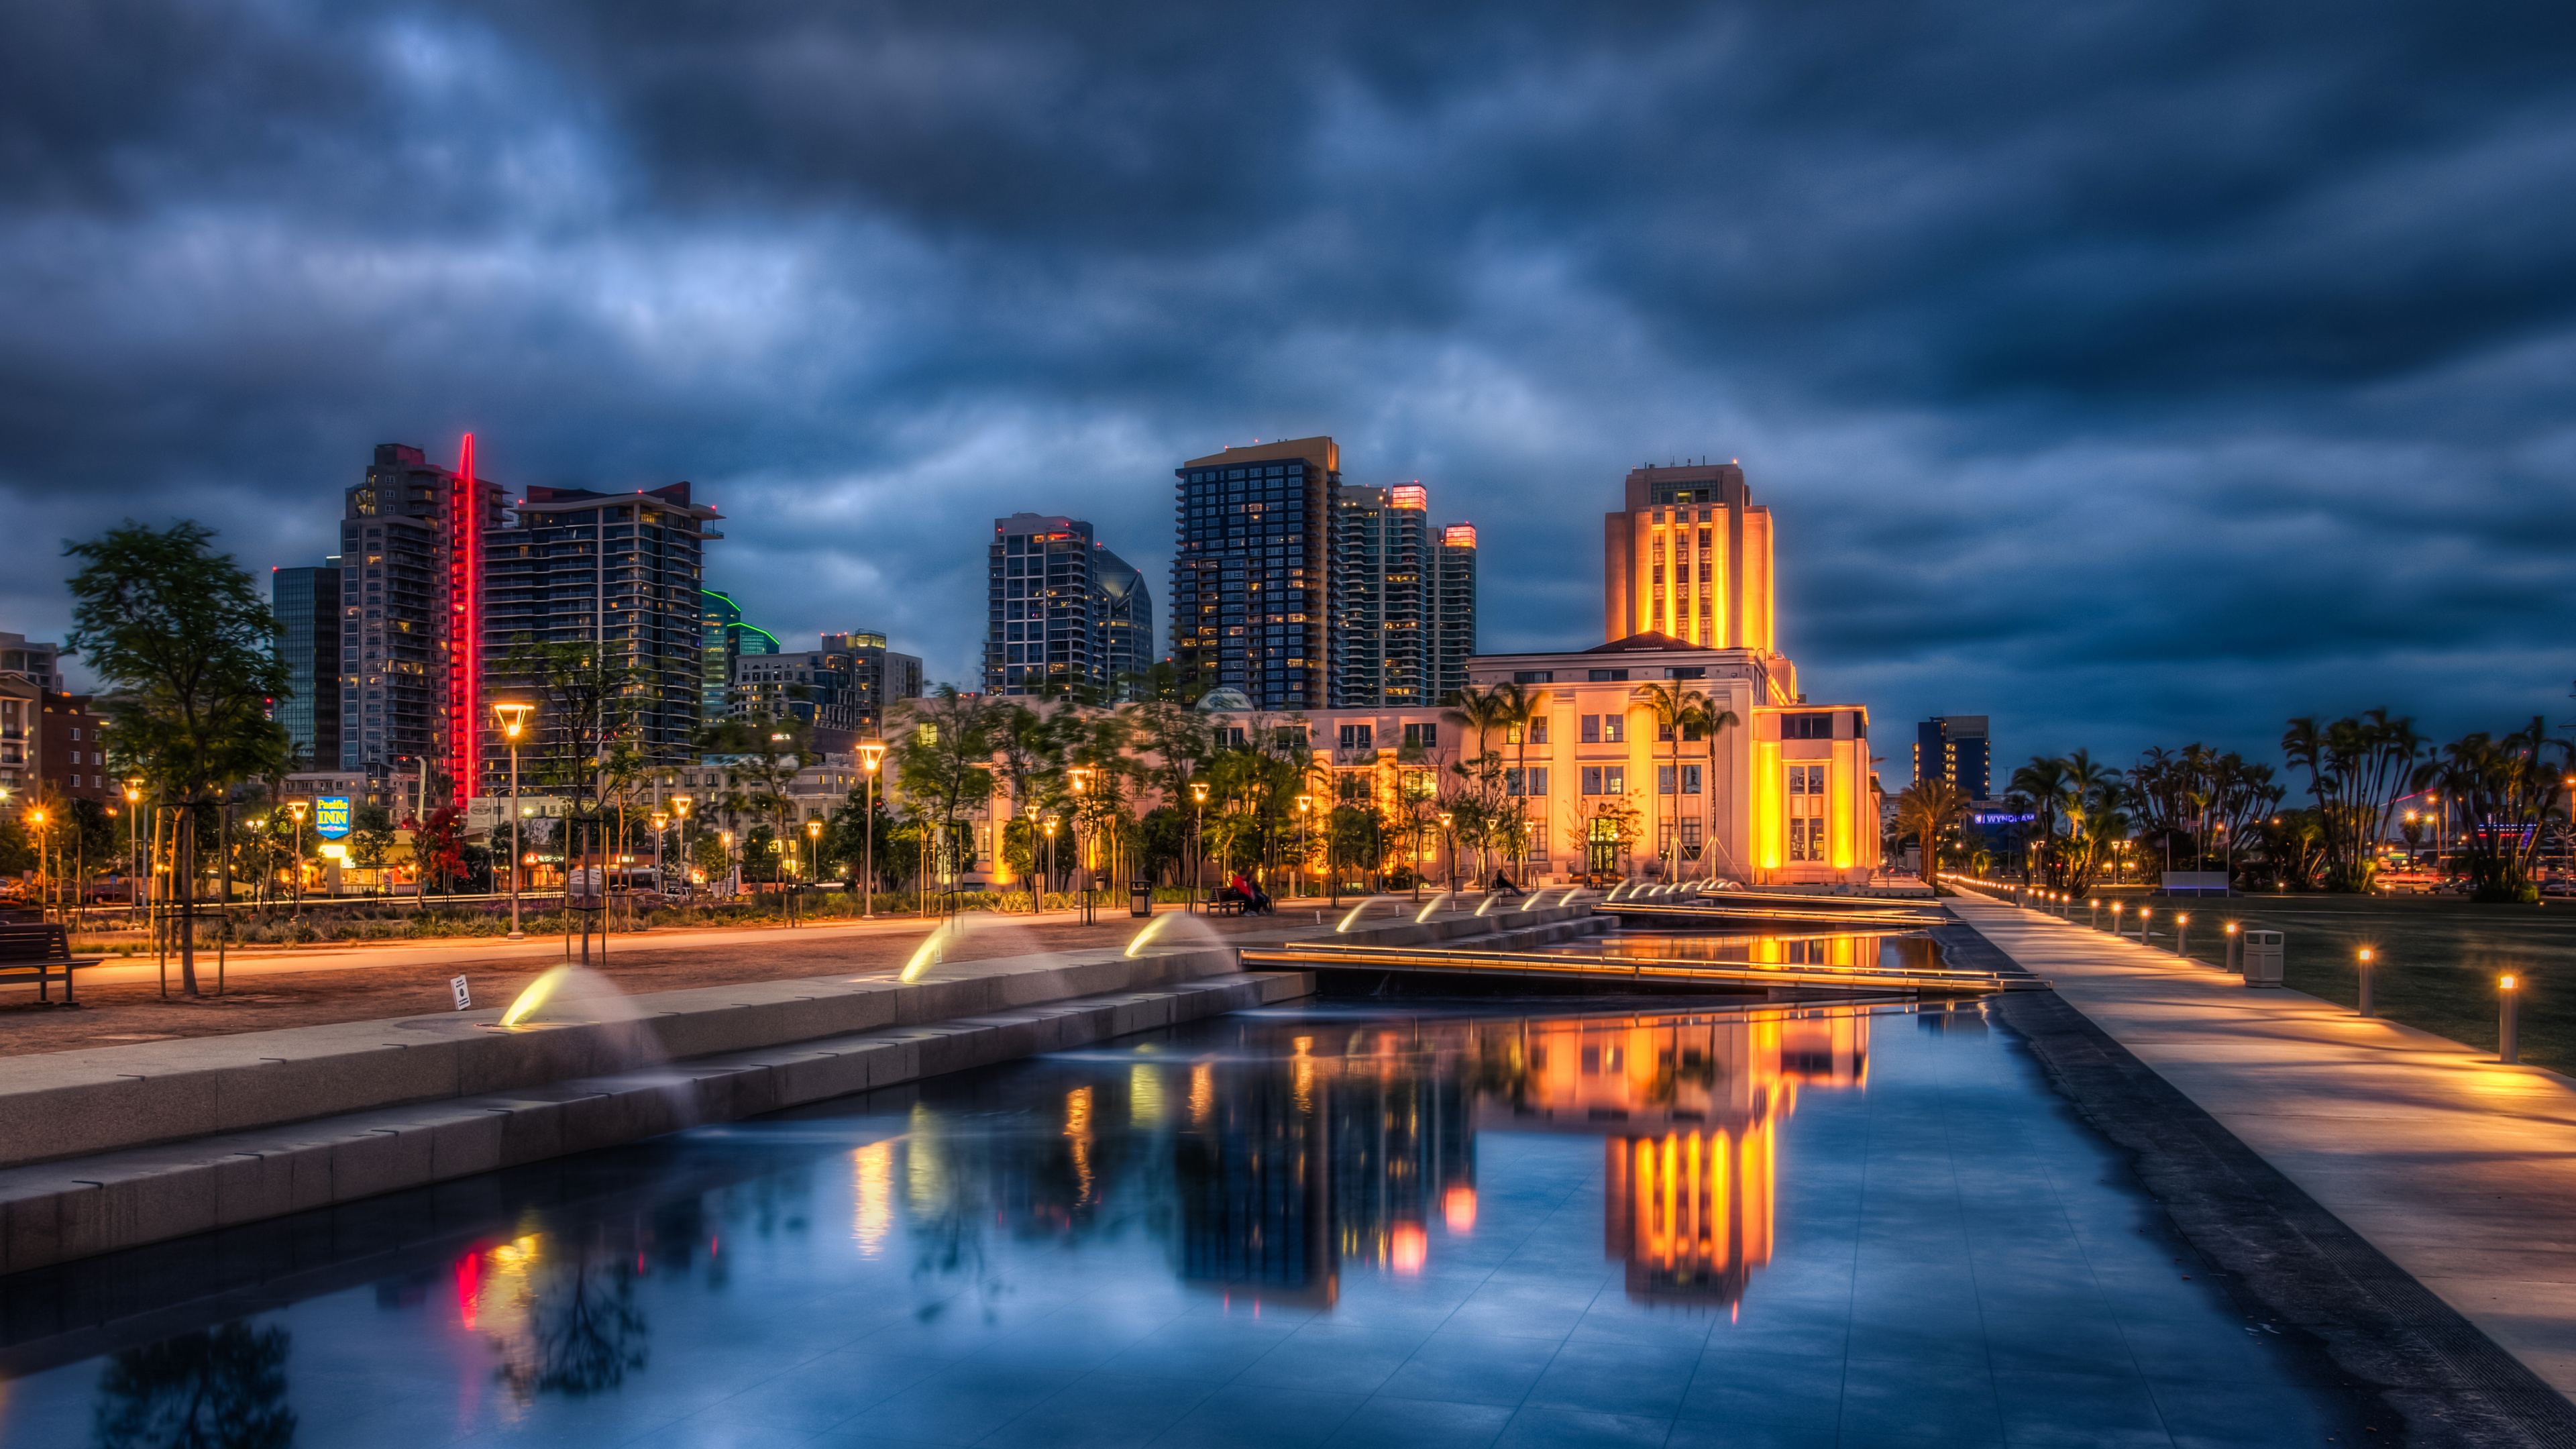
(618,571)
(36,664)
(1689,557)
(307,604)
(1122,622)
(1453,610)
(411,559)
(1402,597)
(727,638)
(1378,599)
(1955,748)
(1062,611)
(1249,580)
(883,676)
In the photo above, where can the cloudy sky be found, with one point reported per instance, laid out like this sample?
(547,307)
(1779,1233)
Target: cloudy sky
(2131,372)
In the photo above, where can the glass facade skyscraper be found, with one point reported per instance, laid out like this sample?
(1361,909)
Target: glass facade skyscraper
(1403,600)
(307,604)
(1063,612)
(1249,579)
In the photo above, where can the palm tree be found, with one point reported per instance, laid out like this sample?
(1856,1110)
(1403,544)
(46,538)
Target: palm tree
(1718,720)
(1928,810)
(2044,781)
(1672,705)
(1516,708)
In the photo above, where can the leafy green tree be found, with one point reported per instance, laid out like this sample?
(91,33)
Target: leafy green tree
(943,762)
(185,648)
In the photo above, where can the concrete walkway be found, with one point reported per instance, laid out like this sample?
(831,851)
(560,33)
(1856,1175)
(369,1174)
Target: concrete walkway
(2460,1169)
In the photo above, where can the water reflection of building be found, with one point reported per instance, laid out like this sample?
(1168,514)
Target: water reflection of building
(1346,1158)
(1688,1108)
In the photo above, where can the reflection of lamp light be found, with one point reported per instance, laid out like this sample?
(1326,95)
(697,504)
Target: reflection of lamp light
(1458,1208)
(1408,1247)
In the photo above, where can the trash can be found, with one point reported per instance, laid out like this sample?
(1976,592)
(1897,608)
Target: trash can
(2262,958)
(1140,898)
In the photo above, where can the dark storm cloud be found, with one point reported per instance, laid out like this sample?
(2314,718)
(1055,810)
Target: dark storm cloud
(2125,371)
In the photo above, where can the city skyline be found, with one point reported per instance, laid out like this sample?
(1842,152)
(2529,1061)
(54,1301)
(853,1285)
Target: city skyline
(2119,384)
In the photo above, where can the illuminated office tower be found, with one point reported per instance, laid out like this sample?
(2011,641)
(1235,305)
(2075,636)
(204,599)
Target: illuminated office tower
(1689,557)
(1955,748)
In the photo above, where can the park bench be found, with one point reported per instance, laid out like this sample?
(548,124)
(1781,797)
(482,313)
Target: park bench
(1229,902)
(41,952)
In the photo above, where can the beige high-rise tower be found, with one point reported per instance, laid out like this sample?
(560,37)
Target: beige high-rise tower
(1690,558)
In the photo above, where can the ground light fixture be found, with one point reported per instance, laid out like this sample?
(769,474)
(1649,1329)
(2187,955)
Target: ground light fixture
(2233,941)
(2508,1020)
(2143,913)
(2365,1008)
(2182,934)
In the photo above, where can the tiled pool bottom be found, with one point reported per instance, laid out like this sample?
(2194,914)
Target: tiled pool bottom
(1311,1227)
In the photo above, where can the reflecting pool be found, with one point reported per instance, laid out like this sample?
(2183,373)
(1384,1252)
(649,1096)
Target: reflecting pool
(1617,1223)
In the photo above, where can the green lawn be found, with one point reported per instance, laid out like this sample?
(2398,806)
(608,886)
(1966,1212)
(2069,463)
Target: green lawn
(2435,958)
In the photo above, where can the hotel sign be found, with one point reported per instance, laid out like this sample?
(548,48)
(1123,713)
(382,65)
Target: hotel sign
(332,817)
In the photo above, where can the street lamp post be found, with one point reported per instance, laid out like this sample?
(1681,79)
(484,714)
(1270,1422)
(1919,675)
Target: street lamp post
(134,846)
(1081,779)
(871,754)
(297,808)
(1305,805)
(688,865)
(44,871)
(661,823)
(814,853)
(1037,871)
(1449,848)
(1050,852)
(513,717)
(1198,838)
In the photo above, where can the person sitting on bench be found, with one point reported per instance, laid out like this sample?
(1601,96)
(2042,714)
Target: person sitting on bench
(1254,902)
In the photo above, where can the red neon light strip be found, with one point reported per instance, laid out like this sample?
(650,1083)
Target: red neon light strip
(465,630)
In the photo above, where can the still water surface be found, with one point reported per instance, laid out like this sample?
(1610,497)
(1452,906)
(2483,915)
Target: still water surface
(1321,1225)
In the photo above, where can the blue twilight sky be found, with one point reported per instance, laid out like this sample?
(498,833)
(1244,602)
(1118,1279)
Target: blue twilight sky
(2131,372)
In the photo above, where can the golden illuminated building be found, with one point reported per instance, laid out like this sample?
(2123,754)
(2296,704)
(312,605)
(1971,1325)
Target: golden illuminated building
(1682,748)
(1689,556)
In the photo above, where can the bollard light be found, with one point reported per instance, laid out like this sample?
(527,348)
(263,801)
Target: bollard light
(2232,943)
(2365,1009)
(2508,1021)
(2182,934)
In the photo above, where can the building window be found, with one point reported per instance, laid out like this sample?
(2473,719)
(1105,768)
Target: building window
(1425,735)
(1664,779)
(1690,779)
(1609,676)
(1535,777)
(1538,730)
(1807,726)
(1592,779)
(1614,779)
(1591,731)
(1533,676)
(1614,729)
(1359,737)
(1807,812)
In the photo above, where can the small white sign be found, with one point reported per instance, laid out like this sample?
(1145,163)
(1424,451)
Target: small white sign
(464,998)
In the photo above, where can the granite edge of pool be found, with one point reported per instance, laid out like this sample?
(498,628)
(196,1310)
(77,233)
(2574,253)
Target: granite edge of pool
(2399,1354)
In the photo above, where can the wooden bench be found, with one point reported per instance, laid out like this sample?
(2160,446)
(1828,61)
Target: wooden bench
(42,952)
(1226,904)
